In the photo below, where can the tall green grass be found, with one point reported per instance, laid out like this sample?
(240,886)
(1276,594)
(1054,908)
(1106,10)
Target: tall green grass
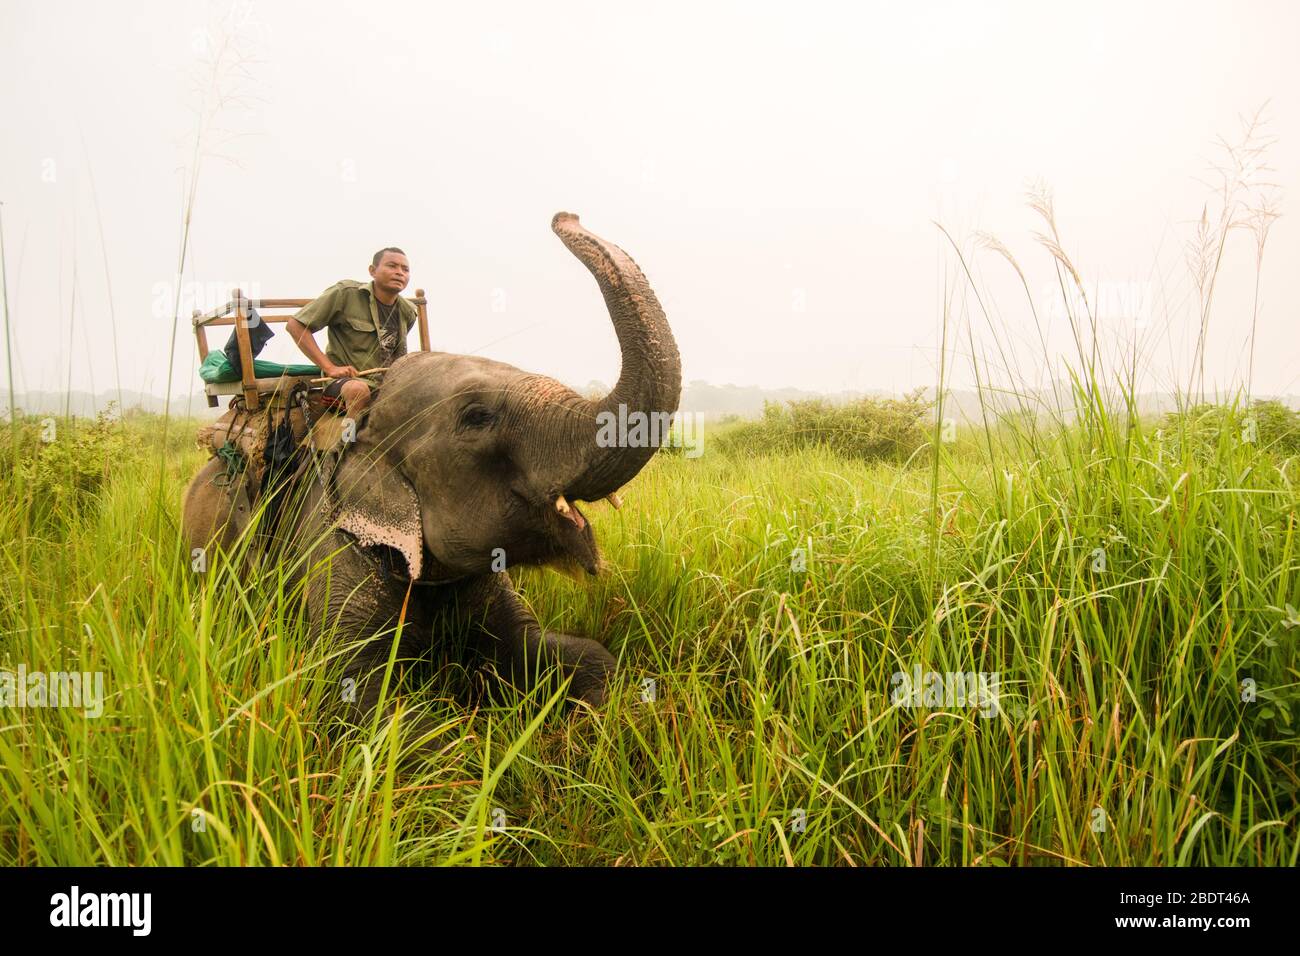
(767,736)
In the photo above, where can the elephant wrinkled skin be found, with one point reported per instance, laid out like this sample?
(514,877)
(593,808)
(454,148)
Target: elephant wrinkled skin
(461,465)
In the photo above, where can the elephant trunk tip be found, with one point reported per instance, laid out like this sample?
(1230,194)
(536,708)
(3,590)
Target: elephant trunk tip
(560,218)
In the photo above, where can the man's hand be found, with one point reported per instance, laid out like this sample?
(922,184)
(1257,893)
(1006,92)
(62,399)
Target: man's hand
(340,371)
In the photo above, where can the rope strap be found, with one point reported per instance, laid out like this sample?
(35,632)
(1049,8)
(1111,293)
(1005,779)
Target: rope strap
(235,464)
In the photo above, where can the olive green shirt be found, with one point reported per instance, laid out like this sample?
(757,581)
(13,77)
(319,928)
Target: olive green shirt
(350,311)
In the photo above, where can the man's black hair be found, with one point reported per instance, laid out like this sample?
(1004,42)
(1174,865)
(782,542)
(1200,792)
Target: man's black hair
(379,256)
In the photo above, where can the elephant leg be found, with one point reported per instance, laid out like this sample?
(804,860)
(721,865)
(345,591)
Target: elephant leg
(363,686)
(353,606)
(509,637)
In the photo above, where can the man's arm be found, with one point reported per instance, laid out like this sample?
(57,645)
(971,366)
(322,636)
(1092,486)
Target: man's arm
(312,317)
(305,341)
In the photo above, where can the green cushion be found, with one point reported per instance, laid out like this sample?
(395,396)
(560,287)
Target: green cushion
(216,368)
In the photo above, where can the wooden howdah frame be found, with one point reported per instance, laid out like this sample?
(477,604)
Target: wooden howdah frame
(235,312)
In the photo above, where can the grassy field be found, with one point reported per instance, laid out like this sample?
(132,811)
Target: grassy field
(1130,595)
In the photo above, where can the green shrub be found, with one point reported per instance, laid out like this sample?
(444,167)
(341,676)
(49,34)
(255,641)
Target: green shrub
(62,463)
(1278,427)
(868,429)
(1268,424)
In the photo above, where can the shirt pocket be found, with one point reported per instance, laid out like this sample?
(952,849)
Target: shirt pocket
(359,324)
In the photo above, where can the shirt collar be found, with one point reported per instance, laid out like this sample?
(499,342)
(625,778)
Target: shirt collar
(369,289)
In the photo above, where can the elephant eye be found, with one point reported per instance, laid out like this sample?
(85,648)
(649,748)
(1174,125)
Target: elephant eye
(476,416)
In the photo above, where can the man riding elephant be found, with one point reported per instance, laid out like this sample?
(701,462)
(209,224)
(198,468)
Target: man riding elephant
(464,468)
(368,324)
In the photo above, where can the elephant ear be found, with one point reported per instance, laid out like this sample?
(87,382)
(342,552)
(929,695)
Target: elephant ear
(379,507)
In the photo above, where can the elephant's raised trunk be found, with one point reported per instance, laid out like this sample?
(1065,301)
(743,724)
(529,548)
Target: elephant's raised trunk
(630,423)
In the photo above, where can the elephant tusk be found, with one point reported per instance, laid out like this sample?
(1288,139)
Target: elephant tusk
(614,500)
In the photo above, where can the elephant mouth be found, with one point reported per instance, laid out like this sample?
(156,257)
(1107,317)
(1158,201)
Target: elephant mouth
(572,535)
(569,512)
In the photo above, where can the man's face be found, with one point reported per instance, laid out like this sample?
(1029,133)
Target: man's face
(392,274)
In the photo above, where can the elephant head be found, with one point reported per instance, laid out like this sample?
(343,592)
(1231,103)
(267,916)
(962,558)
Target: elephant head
(465,464)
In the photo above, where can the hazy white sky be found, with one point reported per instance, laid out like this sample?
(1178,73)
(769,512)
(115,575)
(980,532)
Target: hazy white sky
(774,168)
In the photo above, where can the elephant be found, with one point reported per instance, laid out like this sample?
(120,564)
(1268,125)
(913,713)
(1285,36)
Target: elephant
(462,467)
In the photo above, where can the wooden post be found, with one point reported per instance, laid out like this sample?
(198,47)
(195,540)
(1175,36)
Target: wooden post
(201,335)
(248,376)
(422,306)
